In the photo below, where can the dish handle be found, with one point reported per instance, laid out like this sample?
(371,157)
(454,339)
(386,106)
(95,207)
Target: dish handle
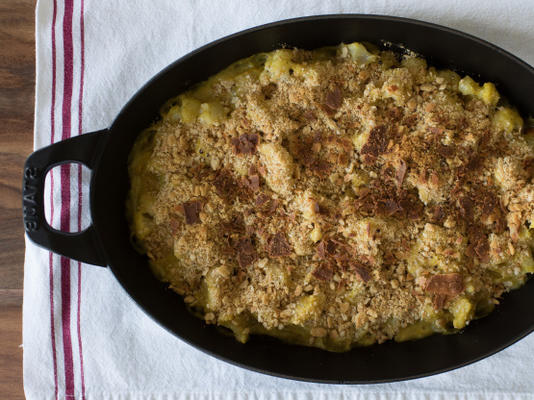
(83,246)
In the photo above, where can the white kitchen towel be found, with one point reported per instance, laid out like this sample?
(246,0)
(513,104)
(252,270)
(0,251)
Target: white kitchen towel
(83,336)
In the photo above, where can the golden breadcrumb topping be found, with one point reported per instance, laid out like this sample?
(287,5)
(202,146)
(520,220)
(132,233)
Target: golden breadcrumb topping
(336,197)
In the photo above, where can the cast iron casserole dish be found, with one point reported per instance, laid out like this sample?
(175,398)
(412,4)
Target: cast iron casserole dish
(106,242)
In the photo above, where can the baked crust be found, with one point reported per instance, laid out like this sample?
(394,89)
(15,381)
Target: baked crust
(331,201)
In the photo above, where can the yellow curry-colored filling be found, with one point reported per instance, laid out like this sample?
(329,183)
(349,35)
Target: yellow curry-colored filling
(336,197)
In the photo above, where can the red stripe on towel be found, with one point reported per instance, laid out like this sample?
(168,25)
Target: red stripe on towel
(51,257)
(80,105)
(65,322)
(65,198)
(78,325)
(82,67)
(53,329)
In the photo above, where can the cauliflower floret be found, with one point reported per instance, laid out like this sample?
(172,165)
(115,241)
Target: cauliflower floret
(507,119)
(279,166)
(357,52)
(398,85)
(487,92)
(307,205)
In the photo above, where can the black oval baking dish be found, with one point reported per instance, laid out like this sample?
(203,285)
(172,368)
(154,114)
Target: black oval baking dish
(106,242)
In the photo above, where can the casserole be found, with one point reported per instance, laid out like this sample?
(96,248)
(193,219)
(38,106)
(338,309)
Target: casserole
(106,241)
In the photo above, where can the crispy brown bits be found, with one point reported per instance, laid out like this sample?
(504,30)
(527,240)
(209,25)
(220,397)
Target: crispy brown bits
(319,153)
(246,252)
(326,248)
(439,301)
(437,214)
(253,170)
(323,210)
(277,246)
(410,121)
(235,224)
(474,163)
(309,115)
(478,244)
(266,205)
(436,130)
(411,206)
(228,188)
(262,170)
(434,179)
(174,225)
(254,181)
(191,211)
(466,207)
(444,150)
(315,206)
(444,287)
(400,173)
(492,210)
(450,284)
(321,250)
(395,113)
(376,144)
(250,183)
(302,150)
(246,143)
(470,167)
(361,271)
(528,166)
(261,200)
(320,167)
(388,207)
(482,249)
(225,185)
(333,100)
(340,255)
(383,200)
(323,272)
